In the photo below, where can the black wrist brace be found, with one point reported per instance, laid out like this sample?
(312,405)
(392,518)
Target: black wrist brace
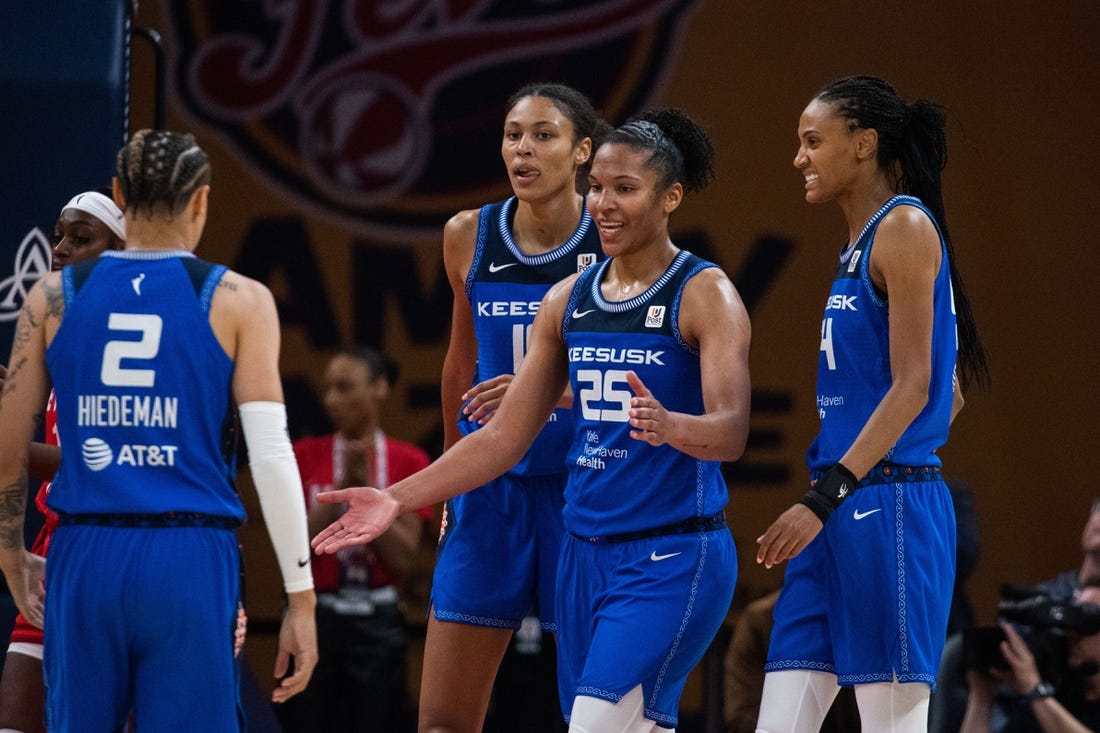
(829,491)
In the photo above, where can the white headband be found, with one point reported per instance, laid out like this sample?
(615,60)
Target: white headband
(102,208)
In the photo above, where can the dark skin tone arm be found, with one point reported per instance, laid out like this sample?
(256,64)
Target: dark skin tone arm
(719,433)
(904,263)
(478,457)
(26,388)
(42,460)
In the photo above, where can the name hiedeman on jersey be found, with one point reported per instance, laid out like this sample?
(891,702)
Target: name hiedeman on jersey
(97,410)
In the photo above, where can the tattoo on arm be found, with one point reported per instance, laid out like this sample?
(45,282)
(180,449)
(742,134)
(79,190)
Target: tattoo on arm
(55,298)
(12,380)
(227,285)
(24,327)
(13,504)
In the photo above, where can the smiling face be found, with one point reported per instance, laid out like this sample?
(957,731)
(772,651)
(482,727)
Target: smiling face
(624,201)
(538,149)
(829,152)
(79,236)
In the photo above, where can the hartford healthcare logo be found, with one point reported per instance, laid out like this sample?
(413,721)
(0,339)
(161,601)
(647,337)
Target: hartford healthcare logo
(386,116)
(31,262)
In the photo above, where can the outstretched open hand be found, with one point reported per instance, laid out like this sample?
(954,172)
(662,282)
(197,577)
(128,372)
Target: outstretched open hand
(370,513)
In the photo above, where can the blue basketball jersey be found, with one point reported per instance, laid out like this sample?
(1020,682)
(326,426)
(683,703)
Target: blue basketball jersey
(504,287)
(143,389)
(618,484)
(853,371)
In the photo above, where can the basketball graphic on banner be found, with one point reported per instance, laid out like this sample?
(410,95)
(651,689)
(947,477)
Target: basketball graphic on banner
(381,121)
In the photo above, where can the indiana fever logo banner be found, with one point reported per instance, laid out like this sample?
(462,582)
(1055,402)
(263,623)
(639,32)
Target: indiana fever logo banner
(385,116)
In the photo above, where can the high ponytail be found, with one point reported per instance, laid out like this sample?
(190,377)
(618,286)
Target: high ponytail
(679,148)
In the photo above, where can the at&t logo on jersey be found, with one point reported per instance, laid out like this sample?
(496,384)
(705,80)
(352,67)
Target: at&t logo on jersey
(98,455)
(655,318)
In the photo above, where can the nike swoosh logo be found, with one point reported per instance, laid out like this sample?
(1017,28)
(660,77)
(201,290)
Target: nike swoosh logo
(582,314)
(494,267)
(657,558)
(857,515)
(303,563)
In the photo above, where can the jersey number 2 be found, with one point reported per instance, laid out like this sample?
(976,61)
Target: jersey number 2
(112,373)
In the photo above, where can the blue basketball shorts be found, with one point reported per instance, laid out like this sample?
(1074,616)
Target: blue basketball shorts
(641,612)
(868,599)
(142,619)
(498,553)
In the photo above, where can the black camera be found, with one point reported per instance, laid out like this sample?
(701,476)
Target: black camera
(1041,620)
(1038,610)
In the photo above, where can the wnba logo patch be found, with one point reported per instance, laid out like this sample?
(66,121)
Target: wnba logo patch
(855,260)
(655,318)
(386,116)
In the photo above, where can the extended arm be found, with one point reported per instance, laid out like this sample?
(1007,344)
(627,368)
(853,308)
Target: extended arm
(477,458)
(397,545)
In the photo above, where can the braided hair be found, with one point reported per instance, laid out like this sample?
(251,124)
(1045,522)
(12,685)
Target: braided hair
(680,151)
(160,170)
(912,146)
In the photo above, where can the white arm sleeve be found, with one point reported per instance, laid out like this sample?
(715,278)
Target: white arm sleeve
(279,487)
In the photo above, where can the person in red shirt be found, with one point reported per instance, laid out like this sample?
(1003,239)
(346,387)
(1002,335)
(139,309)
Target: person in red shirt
(360,681)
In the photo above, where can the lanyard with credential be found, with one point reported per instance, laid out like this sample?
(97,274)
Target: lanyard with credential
(381,464)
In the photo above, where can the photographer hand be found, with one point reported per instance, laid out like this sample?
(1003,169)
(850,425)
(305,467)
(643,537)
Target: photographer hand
(979,701)
(1024,674)
(1049,712)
